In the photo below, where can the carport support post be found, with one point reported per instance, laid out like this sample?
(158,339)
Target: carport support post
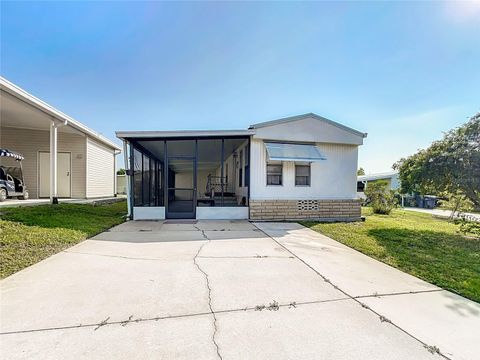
(53,163)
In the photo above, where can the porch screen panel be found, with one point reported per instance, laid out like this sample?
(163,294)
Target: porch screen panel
(148,183)
(146,180)
(211,183)
(153,179)
(137,178)
(160,184)
(247,166)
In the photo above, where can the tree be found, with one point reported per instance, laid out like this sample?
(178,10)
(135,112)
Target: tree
(449,165)
(360,171)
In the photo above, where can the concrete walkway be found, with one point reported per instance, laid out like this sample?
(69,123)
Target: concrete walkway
(444,213)
(227,290)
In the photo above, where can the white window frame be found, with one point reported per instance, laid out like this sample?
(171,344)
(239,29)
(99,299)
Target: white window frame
(309,165)
(276,163)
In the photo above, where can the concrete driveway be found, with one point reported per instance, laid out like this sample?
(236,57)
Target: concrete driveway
(227,290)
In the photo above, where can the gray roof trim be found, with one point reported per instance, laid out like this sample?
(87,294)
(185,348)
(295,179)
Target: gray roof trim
(182,133)
(305,116)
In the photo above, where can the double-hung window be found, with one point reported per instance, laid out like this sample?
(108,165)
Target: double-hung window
(302,174)
(274,173)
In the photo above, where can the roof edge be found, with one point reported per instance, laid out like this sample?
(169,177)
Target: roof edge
(304,116)
(182,133)
(375,176)
(23,95)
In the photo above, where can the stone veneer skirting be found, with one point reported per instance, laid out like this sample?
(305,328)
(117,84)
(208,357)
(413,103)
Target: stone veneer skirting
(327,210)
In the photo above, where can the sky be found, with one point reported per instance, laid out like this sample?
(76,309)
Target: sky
(404,72)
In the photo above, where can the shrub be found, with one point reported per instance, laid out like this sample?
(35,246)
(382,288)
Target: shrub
(380,197)
(468,226)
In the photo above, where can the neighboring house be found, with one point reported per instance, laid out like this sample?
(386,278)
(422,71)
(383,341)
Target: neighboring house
(48,139)
(301,167)
(391,177)
(393,180)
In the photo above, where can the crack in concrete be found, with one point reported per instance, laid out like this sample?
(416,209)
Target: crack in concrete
(102,323)
(112,256)
(292,304)
(130,319)
(246,257)
(426,346)
(209,289)
(397,293)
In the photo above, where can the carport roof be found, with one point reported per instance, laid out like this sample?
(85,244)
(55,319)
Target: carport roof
(49,112)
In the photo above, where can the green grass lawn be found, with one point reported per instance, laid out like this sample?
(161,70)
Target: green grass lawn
(419,244)
(30,234)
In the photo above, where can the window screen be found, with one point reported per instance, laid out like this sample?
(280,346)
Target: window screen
(302,175)
(146,180)
(274,174)
(137,177)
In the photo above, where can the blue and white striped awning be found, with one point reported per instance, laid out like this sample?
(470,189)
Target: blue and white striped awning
(12,154)
(293,152)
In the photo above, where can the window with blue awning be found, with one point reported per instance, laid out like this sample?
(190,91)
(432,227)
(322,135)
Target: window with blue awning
(293,152)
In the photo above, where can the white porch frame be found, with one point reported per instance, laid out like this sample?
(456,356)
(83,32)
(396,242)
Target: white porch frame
(54,125)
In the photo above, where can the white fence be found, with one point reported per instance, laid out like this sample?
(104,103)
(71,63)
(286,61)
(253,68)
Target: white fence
(121,184)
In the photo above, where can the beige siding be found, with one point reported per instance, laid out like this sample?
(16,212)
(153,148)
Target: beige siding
(100,170)
(30,142)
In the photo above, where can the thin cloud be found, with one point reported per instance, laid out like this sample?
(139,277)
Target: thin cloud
(462,11)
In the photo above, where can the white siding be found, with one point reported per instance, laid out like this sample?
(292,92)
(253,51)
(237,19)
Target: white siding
(30,142)
(308,130)
(395,182)
(334,178)
(100,170)
(222,213)
(148,213)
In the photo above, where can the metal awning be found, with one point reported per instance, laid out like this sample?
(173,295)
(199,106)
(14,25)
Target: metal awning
(293,152)
(12,154)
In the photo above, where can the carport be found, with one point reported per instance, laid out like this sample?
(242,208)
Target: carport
(56,148)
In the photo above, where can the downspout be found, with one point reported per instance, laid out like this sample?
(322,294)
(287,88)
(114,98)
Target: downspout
(128,178)
(54,125)
(115,153)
